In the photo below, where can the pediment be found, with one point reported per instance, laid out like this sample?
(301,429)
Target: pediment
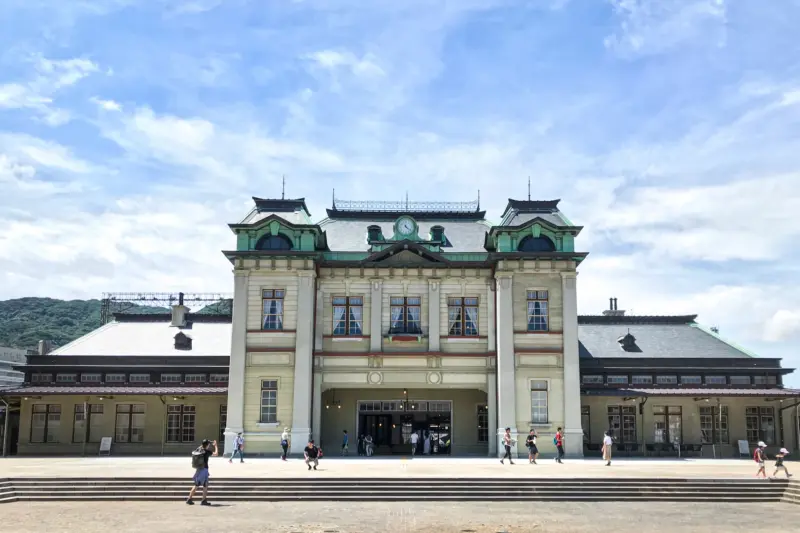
(405,253)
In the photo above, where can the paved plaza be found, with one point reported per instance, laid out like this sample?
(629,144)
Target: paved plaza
(339,517)
(376,467)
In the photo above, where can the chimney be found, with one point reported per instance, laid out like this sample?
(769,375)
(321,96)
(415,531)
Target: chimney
(613,309)
(179,313)
(44,347)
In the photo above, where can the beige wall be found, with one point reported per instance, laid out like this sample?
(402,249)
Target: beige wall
(690,418)
(207,425)
(464,419)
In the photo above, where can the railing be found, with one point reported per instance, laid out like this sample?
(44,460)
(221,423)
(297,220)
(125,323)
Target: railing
(404,206)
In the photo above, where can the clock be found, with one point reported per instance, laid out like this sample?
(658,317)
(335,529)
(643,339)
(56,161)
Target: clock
(405,226)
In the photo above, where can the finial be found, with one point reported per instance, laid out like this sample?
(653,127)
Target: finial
(333,199)
(529,188)
(479,199)
(283,187)
(406,200)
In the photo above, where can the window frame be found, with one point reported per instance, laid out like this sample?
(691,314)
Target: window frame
(627,417)
(195,377)
(108,377)
(405,306)
(272,295)
(636,379)
(691,380)
(482,421)
(40,377)
(170,377)
(597,379)
(87,433)
(663,414)
(66,376)
(129,427)
(186,427)
(667,379)
(134,378)
(732,380)
(272,418)
(707,379)
(348,321)
(99,375)
(463,319)
(546,391)
(718,430)
(586,423)
(619,379)
(761,413)
(214,378)
(534,296)
(49,409)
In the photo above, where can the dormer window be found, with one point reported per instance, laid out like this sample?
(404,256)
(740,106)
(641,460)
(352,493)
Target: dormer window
(374,234)
(628,343)
(437,234)
(274,243)
(536,244)
(183,341)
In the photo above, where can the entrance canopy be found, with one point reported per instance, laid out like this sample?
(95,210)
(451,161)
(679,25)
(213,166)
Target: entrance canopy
(695,393)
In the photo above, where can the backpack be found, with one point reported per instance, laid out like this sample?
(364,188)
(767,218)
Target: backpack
(555,441)
(757,455)
(198,458)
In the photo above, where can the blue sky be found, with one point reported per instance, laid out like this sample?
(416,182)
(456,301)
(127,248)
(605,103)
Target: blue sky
(132,131)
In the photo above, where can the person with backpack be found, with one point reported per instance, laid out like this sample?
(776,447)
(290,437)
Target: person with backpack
(238,447)
(345,441)
(200,464)
(533,451)
(779,462)
(558,440)
(508,442)
(760,457)
(312,454)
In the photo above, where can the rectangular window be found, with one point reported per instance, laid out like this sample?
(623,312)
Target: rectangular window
(170,378)
(483,423)
(642,380)
(129,423)
(41,378)
(765,380)
(180,423)
(66,378)
(272,306)
(666,380)
(115,378)
(348,315)
(194,378)
(45,423)
(538,318)
(223,422)
(269,401)
(760,423)
(139,378)
(218,378)
(91,378)
(716,380)
(462,317)
(95,422)
(691,380)
(539,401)
(740,380)
(617,380)
(405,315)
(622,422)
(667,424)
(592,380)
(714,425)
(586,423)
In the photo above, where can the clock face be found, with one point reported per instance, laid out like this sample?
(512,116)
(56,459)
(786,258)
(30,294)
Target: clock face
(405,226)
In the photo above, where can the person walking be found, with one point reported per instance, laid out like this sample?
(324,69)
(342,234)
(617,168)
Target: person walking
(368,445)
(760,457)
(508,441)
(345,441)
(779,462)
(608,443)
(361,445)
(533,450)
(414,441)
(311,453)
(200,464)
(285,443)
(558,440)
(238,447)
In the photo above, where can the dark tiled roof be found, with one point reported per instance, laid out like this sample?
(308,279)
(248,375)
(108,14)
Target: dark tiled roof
(281,205)
(167,317)
(637,319)
(671,339)
(697,393)
(351,235)
(108,390)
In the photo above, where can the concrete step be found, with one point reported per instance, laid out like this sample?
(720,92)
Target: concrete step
(408,490)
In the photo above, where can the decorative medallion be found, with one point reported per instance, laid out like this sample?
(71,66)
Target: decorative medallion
(375,378)
(434,378)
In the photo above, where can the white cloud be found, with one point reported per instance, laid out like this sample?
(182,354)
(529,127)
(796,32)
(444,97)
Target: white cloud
(365,66)
(48,154)
(107,105)
(783,325)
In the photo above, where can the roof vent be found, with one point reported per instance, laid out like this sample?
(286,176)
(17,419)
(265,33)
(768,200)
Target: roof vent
(437,233)
(183,341)
(44,347)
(179,313)
(374,234)
(613,310)
(628,343)
(715,330)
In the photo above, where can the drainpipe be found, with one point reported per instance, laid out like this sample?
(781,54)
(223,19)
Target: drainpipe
(5,424)
(641,412)
(85,426)
(163,423)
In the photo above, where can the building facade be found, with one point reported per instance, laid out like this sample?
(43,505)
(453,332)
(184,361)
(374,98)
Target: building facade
(392,318)
(152,384)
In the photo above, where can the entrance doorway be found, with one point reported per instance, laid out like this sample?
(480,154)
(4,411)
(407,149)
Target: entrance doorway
(391,424)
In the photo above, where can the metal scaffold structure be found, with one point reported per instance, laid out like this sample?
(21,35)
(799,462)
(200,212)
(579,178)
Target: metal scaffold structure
(212,303)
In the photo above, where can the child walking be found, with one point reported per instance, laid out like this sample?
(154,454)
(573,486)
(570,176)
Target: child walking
(760,457)
(779,462)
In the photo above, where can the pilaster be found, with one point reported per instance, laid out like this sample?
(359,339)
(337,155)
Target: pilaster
(319,322)
(491,407)
(573,441)
(434,316)
(492,322)
(235,406)
(376,305)
(316,425)
(506,370)
(303,361)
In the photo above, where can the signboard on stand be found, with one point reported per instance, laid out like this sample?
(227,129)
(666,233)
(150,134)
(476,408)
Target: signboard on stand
(744,448)
(105,446)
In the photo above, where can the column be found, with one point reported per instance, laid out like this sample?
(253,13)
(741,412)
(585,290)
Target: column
(573,441)
(235,420)
(319,325)
(434,316)
(303,362)
(316,425)
(506,369)
(376,305)
(491,323)
(491,407)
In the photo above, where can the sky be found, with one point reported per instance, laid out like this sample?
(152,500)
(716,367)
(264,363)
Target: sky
(133,131)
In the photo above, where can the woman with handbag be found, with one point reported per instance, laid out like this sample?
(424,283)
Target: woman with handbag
(285,443)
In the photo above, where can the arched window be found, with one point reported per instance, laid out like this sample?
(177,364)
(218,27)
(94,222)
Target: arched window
(274,242)
(536,244)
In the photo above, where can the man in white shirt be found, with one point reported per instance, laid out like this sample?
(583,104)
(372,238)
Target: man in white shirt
(414,441)
(608,443)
